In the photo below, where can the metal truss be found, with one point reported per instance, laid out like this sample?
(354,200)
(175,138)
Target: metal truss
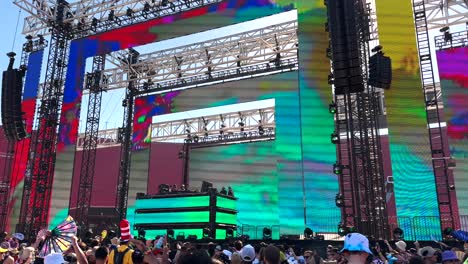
(89,17)
(125,138)
(444,179)
(106,138)
(443,13)
(199,129)
(456,39)
(262,50)
(362,196)
(39,176)
(90,142)
(5,180)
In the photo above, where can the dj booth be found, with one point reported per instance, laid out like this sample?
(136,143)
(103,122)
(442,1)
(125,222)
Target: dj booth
(189,214)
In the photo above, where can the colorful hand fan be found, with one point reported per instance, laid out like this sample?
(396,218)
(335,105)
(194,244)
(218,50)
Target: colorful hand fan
(59,239)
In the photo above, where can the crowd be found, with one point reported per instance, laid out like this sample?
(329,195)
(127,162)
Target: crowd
(163,250)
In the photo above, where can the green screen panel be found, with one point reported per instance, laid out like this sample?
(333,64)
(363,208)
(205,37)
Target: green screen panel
(152,234)
(226,203)
(224,218)
(176,202)
(179,217)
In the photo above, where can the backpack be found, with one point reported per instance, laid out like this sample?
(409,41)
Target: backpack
(119,256)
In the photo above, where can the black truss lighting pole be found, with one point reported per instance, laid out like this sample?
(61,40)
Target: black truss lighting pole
(88,161)
(39,176)
(126,140)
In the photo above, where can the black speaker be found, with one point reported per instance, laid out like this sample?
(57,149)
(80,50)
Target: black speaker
(380,71)
(12,115)
(345,46)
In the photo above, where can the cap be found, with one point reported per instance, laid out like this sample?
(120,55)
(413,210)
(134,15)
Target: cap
(427,252)
(449,255)
(401,245)
(18,236)
(3,250)
(356,242)
(54,258)
(247,253)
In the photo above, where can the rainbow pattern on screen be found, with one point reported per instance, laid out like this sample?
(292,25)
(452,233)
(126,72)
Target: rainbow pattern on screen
(453,71)
(304,154)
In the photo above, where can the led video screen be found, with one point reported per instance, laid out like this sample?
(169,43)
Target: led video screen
(304,154)
(453,72)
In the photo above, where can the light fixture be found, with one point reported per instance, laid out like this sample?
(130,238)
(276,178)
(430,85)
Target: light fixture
(332,108)
(266,233)
(339,200)
(229,233)
(261,130)
(334,138)
(129,12)
(331,78)
(206,232)
(308,233)
(337,169)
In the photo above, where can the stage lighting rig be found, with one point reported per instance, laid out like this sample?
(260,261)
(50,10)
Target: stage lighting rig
(308,233)
(266,233)
(335,139)
(339,200)
(332,108)
(337,169)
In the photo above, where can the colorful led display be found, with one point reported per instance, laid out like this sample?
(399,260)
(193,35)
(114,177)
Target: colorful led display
(453,72)
(409,141)
(305,186)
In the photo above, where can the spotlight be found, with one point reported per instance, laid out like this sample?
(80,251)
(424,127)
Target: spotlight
(308,233)
(111,15)
(41,39)
(196,139)
(377,48)
(129,12)
(170,233)
(181,154)
(94,22)
(141,233)
(337,169)
(332,108)
(242,125)
(229,233)
(147,7)
(266,233)
(261,130)
(335,139)
(444,29)
(331,78)
(206,232)
(339,200)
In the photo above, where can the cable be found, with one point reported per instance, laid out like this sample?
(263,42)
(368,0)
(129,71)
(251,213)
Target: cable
(16,30)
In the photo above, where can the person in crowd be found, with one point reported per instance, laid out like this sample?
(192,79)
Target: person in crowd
(5,258)
(123,254)
(311,257)
(449,257)
(26,255)
(428,255)
(101,255)
(271,255)
(238,245)
(247,254)
(356,248)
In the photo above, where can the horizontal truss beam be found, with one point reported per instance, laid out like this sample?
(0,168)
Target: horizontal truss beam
(90,17)
(442,13)
(265,49)
(176,130)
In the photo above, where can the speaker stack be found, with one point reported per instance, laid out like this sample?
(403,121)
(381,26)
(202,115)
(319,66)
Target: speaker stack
(345,48)
(12,115)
